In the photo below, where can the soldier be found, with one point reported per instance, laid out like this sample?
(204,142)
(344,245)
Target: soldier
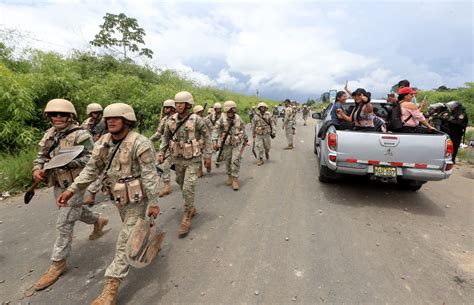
(262,132)
(251,113)
(187,137)
(168,109)
(275,113)
(199,110)
(305,113)
(457,125)
(126,161)
(64,133)
(288,123)
(227,137)
(211,121)
(95,124)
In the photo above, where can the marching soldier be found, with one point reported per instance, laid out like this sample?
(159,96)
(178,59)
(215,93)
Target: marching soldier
(168,110)
(199,110)
(64,133)
(262,131)
(275,113)
(187,137)
(126,160)
(211,121)
(95,124)
(288,123)
(227,137)
(305,114)
(457,125)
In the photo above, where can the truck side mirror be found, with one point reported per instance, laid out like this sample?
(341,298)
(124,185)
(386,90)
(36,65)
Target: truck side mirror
(316,115)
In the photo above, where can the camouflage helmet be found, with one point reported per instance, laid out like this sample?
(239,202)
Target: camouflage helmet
(93,107)
(60,105)
(120,110)
(217,106)
(198,108)
(262,104)
(169,103)
(228,105)
(210,110)
(184,97)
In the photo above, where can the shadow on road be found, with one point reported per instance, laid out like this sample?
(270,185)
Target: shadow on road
(362,192)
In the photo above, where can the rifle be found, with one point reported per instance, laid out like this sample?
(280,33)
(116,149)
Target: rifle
(219,155)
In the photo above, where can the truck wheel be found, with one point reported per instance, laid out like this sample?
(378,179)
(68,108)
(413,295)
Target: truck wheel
(410,185)
(325,174)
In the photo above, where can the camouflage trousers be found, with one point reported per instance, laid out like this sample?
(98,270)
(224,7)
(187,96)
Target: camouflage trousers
(305,118)
(67,217)
(95,186)
(289,132)
(263,145)
(166,177)
(232,159)
(186,177)
(129,214)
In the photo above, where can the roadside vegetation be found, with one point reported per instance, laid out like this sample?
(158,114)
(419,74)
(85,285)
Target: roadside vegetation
(30,79)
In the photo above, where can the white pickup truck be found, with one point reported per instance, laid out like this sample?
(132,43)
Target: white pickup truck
(408,158)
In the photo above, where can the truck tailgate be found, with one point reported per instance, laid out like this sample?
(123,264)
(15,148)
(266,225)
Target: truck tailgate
(413,150)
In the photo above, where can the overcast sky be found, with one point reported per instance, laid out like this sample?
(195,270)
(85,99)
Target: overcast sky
(295,49)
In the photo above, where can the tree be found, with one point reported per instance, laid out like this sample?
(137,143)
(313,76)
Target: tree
(123,32)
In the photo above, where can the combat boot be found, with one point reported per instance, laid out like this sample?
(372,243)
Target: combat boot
(51,275)
(90,199)
(260,162)
(186,221)
(98,227)
(229,180)
(290,146)
(109,294)
(166,190)
(235,183)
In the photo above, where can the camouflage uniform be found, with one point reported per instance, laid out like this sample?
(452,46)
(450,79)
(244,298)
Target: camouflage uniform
(134,164)
(305,114)
(263,132)
(211,121)
(97,130)
(232,145)
(288,123)
(186,150)
(166,177)
(60,178)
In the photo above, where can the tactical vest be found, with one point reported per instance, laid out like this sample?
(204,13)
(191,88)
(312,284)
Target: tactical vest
(126,188)
(62,177)
(236,134)
(261,127)
(188,146)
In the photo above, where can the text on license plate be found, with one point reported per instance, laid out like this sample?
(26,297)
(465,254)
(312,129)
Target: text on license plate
(385,171)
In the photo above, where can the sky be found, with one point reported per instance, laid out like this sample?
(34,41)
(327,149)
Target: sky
(283,49)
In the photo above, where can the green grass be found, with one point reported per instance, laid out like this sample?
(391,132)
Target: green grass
(15,170)
(466,154)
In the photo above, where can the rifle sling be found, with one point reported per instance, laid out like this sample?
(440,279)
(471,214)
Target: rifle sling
(225,136)
(176,130)
(271,128)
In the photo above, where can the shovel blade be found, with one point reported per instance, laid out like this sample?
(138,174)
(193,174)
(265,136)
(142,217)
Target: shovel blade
(28,196)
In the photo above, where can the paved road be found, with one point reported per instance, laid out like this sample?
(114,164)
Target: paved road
(284,238)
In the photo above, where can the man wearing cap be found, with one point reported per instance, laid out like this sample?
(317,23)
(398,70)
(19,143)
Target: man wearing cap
(227,138)
(95,124)
(64,134)
(187,138)
(126,161)
(262,131)
(288,123)
(168,110)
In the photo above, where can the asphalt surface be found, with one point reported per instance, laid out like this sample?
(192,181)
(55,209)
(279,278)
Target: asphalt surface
(284,238)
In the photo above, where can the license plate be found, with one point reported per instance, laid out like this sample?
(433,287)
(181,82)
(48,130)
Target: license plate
(385,171)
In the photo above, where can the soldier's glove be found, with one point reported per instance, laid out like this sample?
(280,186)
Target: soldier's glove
(153,211)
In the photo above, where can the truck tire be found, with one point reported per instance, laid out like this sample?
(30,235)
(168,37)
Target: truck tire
(410,185)
(325,174)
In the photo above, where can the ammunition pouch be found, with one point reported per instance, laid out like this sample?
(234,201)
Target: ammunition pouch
(63,177)
(186,150)
(127,190)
